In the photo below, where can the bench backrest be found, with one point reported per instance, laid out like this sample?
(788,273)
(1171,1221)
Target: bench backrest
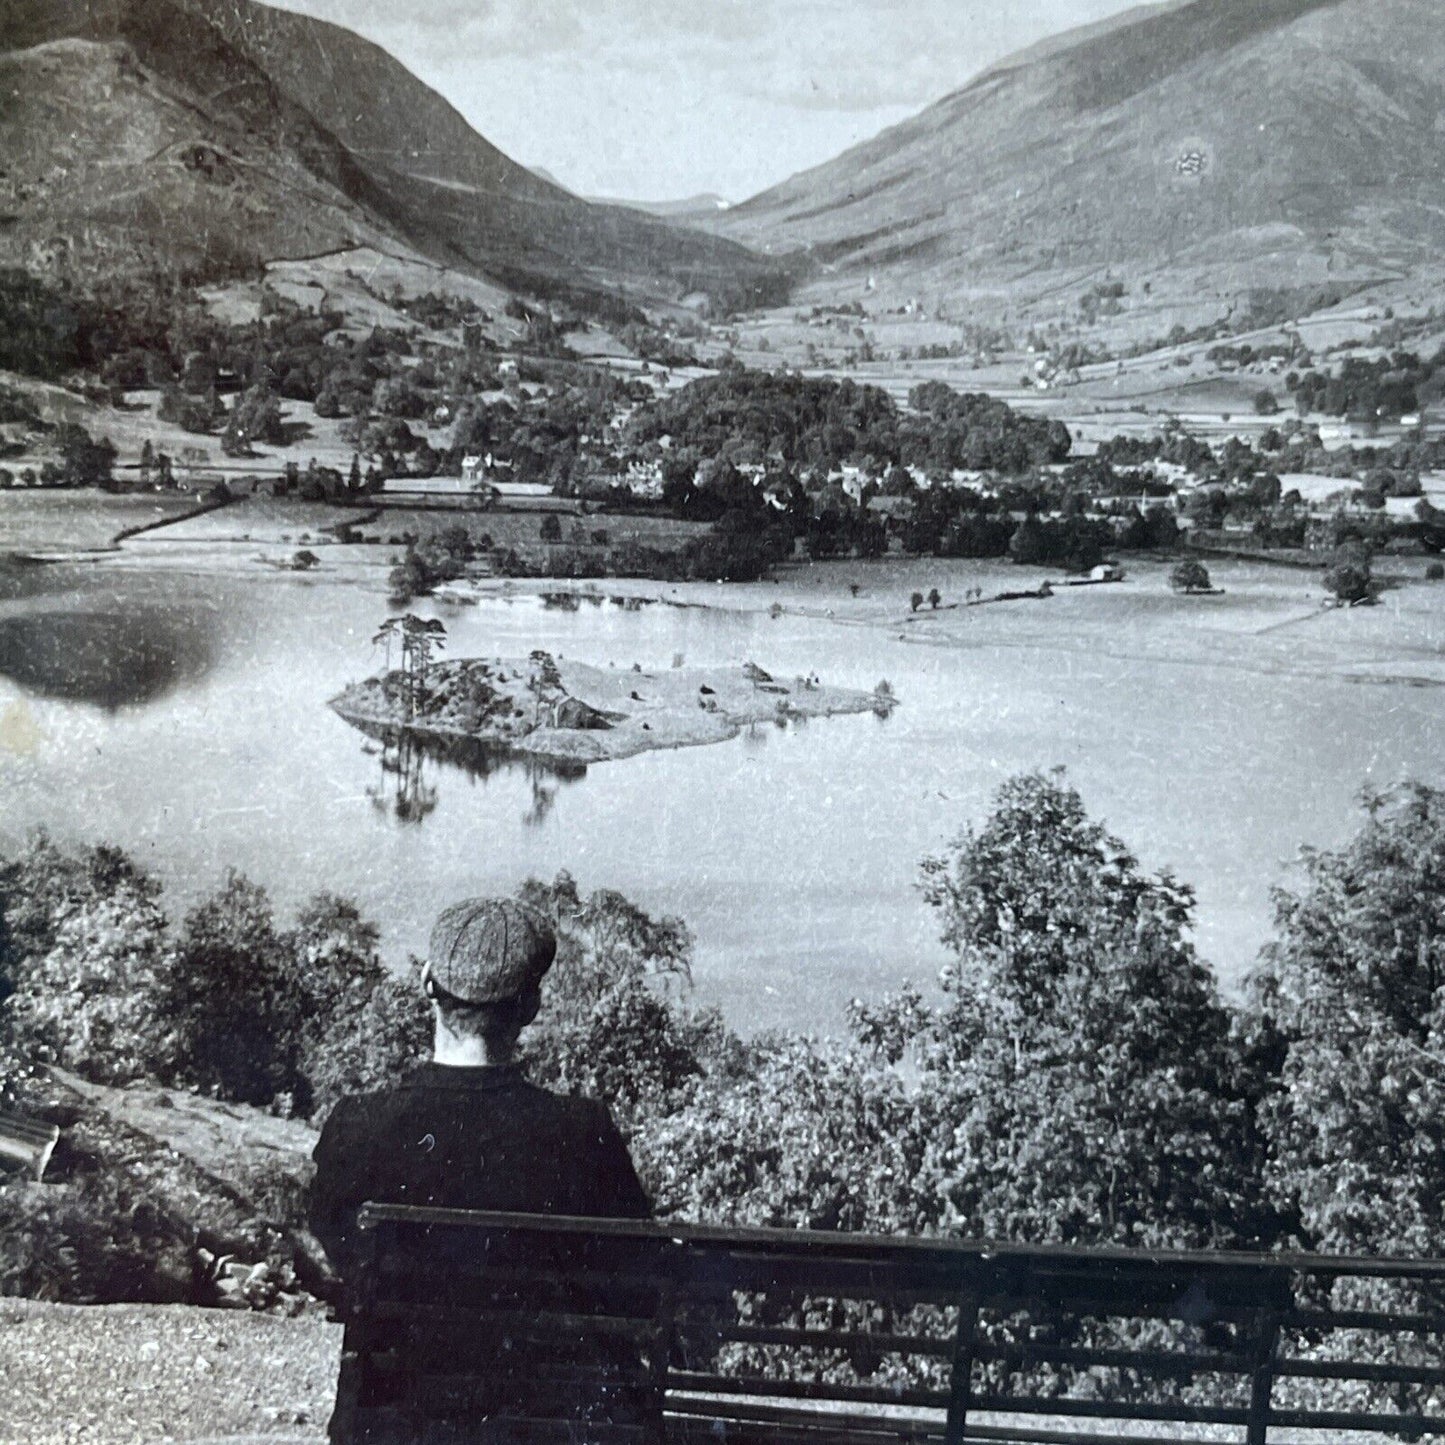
(680,1332)
(26,1143)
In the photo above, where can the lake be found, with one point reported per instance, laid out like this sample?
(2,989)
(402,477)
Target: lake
(184,718)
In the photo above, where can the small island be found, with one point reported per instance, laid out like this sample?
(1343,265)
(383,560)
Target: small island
(571,712)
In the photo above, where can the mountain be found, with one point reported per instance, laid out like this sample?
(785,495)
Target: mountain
(1224,144)
(690,208)
(207,135)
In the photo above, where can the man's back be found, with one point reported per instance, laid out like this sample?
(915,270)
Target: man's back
(467,1131)
(469,1138)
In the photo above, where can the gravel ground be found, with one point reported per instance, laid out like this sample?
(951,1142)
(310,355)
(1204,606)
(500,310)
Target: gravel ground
(144,1375)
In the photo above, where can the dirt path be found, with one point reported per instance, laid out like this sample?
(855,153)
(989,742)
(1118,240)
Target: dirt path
(143,1375)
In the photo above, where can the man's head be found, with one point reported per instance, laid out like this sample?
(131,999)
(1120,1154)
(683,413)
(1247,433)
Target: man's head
(487,958)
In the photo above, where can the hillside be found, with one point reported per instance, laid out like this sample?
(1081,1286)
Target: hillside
(1215,147)
(210,135)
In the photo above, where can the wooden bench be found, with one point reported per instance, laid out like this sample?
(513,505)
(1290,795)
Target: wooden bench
(736,1336)
(26,1143)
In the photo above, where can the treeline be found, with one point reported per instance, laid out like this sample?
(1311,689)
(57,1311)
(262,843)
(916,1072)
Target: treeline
(734,549)
(1386,388)
(1080,1077)
(814,423)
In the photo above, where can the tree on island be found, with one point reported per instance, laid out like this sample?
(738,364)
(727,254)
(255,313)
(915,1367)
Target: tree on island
(1190,577)
(544,681)
(420,638)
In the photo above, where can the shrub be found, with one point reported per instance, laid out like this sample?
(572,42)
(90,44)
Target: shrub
(1190,576)
(1435,571)
(95,1000)
(1350,582)
(98,1240)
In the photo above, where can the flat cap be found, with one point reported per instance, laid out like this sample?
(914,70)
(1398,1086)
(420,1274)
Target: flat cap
(487,950)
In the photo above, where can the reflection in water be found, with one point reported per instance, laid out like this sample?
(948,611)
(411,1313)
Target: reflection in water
(403,791)
(110,660)
(572,601)
(406,792)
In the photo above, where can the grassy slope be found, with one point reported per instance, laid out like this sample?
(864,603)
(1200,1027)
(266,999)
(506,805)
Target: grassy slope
(1318,118)
(97,145)
(274,93)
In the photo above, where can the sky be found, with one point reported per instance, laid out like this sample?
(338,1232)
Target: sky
(664,99)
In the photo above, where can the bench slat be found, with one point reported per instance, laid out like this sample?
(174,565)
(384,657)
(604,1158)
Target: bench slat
(711,1315)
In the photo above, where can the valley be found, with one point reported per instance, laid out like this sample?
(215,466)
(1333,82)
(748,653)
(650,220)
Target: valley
(953,644)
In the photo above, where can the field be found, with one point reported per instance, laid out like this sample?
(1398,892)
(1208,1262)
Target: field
(61,521)
(522,529)
(260,519)
(1265,618)
(83,520)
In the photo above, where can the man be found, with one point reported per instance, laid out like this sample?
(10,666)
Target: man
(467,1130)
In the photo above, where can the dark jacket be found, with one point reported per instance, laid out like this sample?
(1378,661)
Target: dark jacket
(479,1138)
(469,1138)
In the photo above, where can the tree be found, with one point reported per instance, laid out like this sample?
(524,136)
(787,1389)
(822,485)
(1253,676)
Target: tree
(935,597)
(420,639)
(235,999)
(544,681)
(1027,544)
(613,1023)
(551,528)
(361,1026)
(915,601)
(92,999)
(84,462)
(1083,1078)
(256,416)
(1190,576)
(1353,986)
(1350,581)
